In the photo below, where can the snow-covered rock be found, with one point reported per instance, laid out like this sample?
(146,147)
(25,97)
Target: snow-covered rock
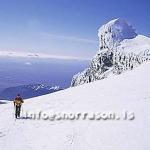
(115,31)
(120,49)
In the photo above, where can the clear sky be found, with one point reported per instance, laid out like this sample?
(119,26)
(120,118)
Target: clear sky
(65,27)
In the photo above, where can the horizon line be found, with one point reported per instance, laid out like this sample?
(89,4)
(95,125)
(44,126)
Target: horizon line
(39,55)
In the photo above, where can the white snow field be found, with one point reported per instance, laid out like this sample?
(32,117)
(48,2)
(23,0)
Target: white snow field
(136,45)
(129,91)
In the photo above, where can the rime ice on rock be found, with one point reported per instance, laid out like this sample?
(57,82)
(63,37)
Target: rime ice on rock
(120,49)
(115,31)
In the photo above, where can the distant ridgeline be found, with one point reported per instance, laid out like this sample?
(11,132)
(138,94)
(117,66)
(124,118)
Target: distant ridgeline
(120,49)
(28,91)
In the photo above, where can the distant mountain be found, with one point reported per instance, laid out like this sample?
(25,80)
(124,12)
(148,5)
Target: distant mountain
(28,91)
(120,49)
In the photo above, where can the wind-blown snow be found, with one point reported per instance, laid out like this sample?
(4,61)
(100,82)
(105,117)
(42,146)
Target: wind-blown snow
(127,92)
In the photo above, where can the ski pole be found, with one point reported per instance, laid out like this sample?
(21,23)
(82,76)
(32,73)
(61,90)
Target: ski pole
(22,110)
(14,110)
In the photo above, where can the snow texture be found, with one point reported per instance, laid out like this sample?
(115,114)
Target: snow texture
(127,92)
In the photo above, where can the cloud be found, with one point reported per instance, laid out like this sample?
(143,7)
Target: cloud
(28,63)
(69,38)
(16,54)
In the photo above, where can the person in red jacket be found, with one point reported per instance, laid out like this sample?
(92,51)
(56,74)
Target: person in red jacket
(18,103)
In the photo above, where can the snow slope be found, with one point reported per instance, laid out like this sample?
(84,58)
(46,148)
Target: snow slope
(129,91)
(139,44)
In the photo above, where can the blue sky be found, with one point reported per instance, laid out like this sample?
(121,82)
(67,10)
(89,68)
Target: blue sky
(65,27)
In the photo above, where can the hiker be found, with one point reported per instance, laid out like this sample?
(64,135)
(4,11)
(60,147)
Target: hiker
(17,104)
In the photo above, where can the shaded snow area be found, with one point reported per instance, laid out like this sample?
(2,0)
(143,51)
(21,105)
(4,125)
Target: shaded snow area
(129,91)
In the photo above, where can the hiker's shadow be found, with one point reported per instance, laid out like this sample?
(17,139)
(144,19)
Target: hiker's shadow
(24,118)
(3,102)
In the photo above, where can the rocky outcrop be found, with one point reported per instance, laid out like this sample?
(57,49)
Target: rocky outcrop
(118,52)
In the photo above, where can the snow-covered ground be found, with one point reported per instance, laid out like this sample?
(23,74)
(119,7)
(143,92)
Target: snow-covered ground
(129,91)
(139,44)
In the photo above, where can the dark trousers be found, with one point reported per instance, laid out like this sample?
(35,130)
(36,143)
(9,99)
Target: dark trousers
(18,109)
